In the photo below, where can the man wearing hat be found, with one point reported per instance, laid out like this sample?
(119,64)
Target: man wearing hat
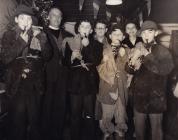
(151,63)
(24,50)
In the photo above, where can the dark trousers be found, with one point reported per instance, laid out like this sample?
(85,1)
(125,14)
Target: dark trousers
(156,125)
(54,108)
(82,117)
(24,116)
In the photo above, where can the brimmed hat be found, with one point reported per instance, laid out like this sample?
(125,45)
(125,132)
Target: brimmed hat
(148,25)
(23,9)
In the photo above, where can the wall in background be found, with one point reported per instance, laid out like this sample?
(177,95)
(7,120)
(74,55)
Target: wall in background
(164,11)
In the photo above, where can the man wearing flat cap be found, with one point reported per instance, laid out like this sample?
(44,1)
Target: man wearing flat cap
(151,64)
(24,52)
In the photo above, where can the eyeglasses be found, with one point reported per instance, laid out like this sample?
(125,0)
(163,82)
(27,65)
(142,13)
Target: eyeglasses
(100,28)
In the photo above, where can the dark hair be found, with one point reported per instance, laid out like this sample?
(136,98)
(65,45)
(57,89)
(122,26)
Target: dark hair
(79,22)
(103,21)
(114,27)
(132,22)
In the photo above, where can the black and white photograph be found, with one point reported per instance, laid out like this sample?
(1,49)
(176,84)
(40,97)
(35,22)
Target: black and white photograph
(88,70)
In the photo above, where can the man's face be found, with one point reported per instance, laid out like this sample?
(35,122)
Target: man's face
(148,35)
(100,29)
(55,17)
(131,29)
(116,36)
(24,21)
(85,28)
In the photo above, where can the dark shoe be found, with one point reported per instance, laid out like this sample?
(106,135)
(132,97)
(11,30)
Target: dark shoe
(117,137)
(107,137)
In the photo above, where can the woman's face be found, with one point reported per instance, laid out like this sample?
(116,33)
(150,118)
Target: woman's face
(85,29)
(116,36)
(131,29)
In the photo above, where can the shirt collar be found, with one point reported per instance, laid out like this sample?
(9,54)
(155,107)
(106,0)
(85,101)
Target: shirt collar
(53,28)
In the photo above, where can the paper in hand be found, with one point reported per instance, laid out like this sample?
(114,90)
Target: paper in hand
(175,92)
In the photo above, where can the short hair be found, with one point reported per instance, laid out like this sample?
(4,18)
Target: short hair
(57,8)
(132,22)
(103,21)
(115,27)
(78,23)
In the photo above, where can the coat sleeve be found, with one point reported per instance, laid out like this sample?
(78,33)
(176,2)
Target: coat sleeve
(67,56)
(46,49)
(12,47)
(98,53)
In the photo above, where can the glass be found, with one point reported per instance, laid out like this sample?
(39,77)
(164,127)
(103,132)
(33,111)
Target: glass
(100,28)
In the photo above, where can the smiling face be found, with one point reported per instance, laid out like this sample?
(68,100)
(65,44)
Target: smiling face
(116,36)
(55,17)
(24,21)
(85,28)
(100,30)
(131,29)
(148,35)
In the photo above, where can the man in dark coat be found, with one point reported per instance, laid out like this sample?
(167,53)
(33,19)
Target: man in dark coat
(151,63)
(171,115)
(56,78)
(24,52)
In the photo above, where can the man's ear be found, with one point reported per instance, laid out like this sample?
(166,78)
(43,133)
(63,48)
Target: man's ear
(91,31)
(106,30)
(123,37)
(47,17)
(78,30)
(156,33)
(16,19)
(110,36)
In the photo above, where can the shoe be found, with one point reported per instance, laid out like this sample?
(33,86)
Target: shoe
(118,137)
(108,136)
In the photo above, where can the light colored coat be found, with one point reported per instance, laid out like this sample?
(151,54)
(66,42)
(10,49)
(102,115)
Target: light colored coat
(112,73)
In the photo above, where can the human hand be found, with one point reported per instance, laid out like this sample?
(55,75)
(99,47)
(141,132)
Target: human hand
(36,30)
(84,65)
(137,64)
(122,51)
(114,96)
(135,58)
(76,54)
(85,41)
(24,35)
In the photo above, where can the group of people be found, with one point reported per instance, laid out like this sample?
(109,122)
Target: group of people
(94,74)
